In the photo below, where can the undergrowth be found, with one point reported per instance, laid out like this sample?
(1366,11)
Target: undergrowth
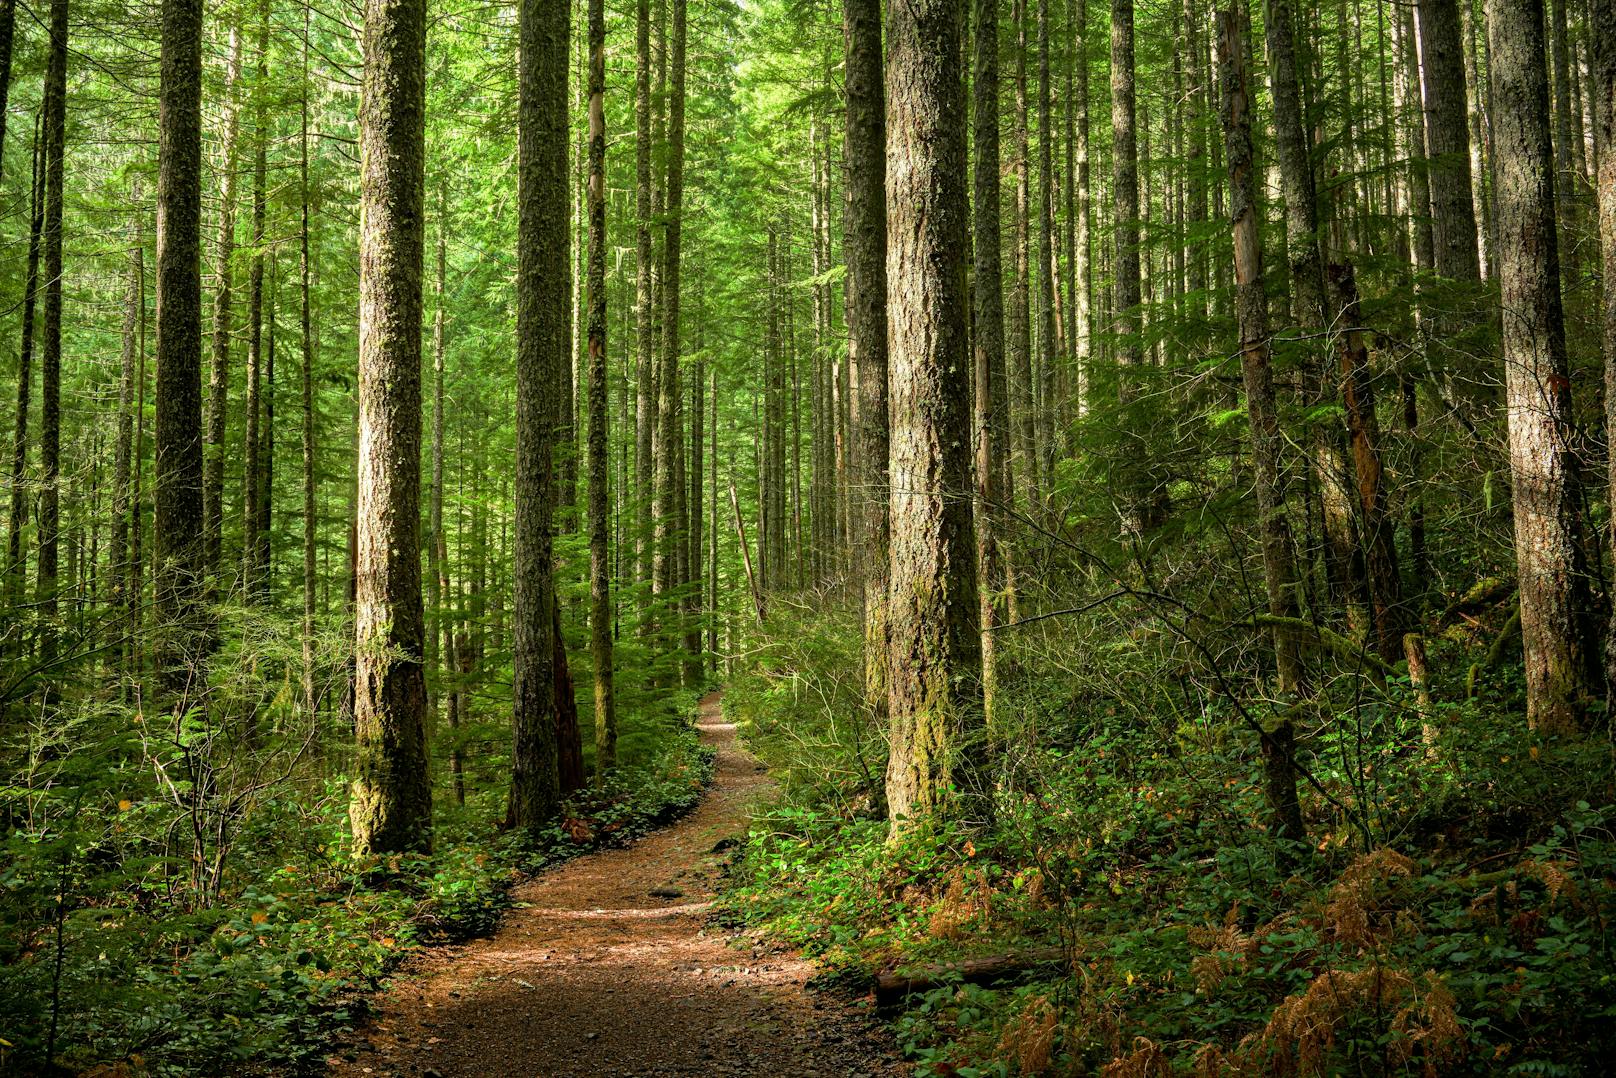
(148,930)
(1450,913)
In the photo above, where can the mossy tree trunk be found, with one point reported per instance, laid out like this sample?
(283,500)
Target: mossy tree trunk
(392,795)
(935,658)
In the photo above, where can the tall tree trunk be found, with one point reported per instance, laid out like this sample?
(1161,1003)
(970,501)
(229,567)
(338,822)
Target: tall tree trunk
(644,344)
(1343,561)
(219,372)
(987,334)
(262,550)
(1083,270)
(16,565)
(1020,341)
(8,26)
(1475,119)
(1198,96)
(1251,305)
(712,533)
(692,514)
(1603,73)
(1447,139)
(541,349)
(1127,317)
(177,520)
(50,373)
(392,793)
(1048,290)
(1556,629)
(600,570)
(667,534)
(252,470)
(864,246)
(306,327)
(124,462)
(935,668)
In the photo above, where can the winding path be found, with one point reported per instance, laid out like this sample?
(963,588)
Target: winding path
(593,976)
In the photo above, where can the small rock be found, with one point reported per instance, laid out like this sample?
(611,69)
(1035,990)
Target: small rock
(666,891)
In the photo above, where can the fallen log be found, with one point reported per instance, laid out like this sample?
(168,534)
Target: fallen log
(993,969)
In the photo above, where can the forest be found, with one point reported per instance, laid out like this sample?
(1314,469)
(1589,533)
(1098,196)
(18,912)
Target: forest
(894,537)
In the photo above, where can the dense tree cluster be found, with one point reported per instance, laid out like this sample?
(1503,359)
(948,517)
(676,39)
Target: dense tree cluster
(612,336)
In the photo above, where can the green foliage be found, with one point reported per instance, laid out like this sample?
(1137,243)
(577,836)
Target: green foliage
(1448,915)
(180,894)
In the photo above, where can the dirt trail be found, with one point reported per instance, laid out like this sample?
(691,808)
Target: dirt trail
(596,977)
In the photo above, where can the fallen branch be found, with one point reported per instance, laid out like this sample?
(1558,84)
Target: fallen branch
(1323,639)
(892,987)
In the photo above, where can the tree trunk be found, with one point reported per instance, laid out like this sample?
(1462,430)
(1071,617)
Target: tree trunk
(219,373)
(987,333)
(124,463)
(600,570)
(262,552)
(177,521)
(1083,270)
(50,373)
(864,246)
(16,566)
(392,793)
(8,25)
(1604,95)
(1556,629)
(1342,558)
(645,351)
(667,532)
(935,645)
(1048,289)
(306,327)
(1251,307)
(1019,343)
(541,348)
(252,479)
(1447,139)
(1127,316)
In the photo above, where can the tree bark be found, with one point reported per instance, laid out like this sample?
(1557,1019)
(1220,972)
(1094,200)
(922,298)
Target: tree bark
(935,666)
(306,326)
(1342,557)
(1447,139)
(252,479)
(667,532)
(864,246)
(219,372)
(1555,625)
(1020,339)
(1083,269)
(8,26)
(392,795)
(177,523)
(1048,288)
(645,352)
(124,462)
(987,333)
(50,373)
(1603,74)
(541,348)
(16,565)
(600,570)
(1262,412)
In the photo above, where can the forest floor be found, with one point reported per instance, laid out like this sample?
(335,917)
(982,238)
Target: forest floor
(609,966)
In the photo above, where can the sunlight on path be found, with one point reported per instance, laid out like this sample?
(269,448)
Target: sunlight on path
(611,969)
